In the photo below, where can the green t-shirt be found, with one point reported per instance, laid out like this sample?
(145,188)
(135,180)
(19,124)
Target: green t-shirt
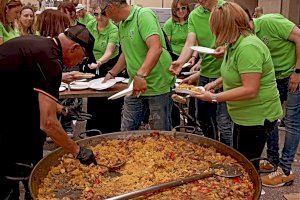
(198,23)
(177,33)
(133,36)
(86,19)
(250,55)
(274,30)
(108,35)
(7,35)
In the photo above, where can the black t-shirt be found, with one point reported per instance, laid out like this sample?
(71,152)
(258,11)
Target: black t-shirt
(28,65)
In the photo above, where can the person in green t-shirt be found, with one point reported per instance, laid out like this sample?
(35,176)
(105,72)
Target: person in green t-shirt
(282,37)
(213,118)
(176,27)
(106,52)
(106,48)
(83,17)
(147,60)
(249,81)
(9,11)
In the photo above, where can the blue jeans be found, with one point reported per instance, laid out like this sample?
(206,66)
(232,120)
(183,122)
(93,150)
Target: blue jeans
(134,111)
(213,117)
(292,127)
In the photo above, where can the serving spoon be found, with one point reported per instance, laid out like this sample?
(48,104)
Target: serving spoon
(227,171)
(112,170)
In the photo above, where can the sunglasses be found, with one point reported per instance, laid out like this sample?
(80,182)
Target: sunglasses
(96,14)
(183,8)
(103,11)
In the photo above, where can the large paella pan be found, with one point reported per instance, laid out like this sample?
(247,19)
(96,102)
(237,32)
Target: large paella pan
(150,159)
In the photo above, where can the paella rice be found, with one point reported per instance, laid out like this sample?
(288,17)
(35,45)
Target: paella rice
(150,160)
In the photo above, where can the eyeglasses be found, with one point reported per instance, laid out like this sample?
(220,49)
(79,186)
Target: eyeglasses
(183,8)
(103,11)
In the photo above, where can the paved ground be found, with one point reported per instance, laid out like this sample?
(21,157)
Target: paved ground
(293,191)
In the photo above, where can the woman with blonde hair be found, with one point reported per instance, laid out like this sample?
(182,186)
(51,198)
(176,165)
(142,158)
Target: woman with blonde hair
(26,21)
(9,10)
(248,79)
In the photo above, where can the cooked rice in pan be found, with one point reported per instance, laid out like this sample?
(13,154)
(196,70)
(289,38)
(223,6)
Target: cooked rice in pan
(150,160)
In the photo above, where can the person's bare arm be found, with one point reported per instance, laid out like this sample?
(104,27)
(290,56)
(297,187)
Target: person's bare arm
(52,127)
(119,66)
(152,57)
(106,56)
(1,41)
(249,90)
(185,55)
(294,82)
(187,52)
(153,54)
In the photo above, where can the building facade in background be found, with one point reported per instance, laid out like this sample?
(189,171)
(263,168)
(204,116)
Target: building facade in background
(289,8)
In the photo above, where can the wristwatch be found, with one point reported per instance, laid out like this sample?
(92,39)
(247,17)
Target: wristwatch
(297,71)
(141,76)
(214,98)
(64,111)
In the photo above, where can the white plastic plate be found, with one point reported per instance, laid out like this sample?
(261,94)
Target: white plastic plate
(119,79)
(61,88)
(126,80)
(188,73)
(178,80)
(97,84)
(203,50)
(127,91)
(79,85)
(186,65)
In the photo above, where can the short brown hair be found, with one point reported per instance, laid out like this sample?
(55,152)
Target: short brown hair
(66,7)
(228,22)
(174,6)
(7,4)
(51,23)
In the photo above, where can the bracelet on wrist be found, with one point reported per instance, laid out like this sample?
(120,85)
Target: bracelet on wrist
(99,63)
(111,74)
(64,111)
(214,98)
